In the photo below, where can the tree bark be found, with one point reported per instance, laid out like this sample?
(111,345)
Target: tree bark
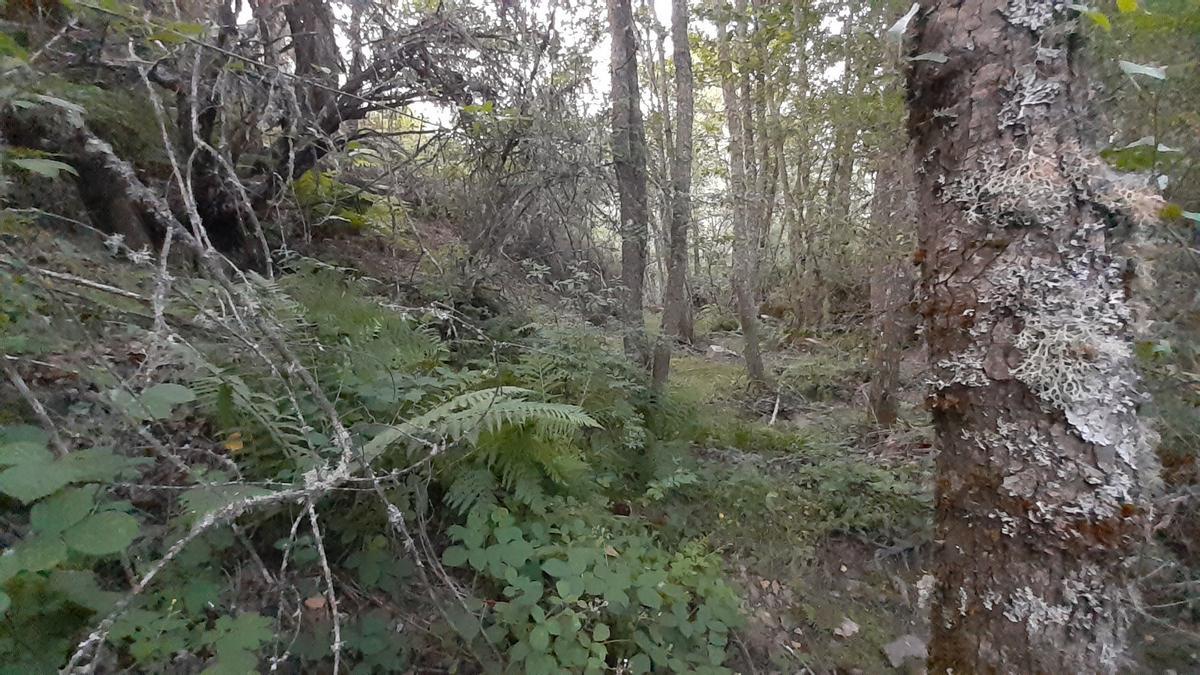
(1044,466)
(629,156)
(796,193)
(675,303)
(315,51)
(657,73)
(118,202)
(743,240)
(891,284)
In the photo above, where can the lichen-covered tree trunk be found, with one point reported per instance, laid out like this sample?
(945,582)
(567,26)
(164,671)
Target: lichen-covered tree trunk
(1043,464)
(675,300)
(629,156)
(743,240)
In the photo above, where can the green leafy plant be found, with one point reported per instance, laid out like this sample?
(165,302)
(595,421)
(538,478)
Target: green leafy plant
(576,592)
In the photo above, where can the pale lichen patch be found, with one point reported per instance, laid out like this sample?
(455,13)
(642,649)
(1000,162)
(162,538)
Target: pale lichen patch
(1033,14)
(1028,190)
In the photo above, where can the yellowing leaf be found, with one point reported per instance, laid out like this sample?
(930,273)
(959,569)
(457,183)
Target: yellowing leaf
(234,442)
(1127,6)
(1100,19)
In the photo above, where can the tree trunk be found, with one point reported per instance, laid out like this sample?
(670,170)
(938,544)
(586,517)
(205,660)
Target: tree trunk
(675,304)
(657,72)
(1043,466)
(117,201)
(891,285)
(743,240)
(891,288)
(629,156)
(315,50)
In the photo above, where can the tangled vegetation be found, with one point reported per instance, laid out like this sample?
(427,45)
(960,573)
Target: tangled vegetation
(317,357)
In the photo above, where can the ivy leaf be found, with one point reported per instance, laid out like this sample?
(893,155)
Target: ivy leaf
(31,482)
(68,507)
(463,622)
(102,534)
(199,594)
(48,168)
(235,640)
(569,589)
(233,662)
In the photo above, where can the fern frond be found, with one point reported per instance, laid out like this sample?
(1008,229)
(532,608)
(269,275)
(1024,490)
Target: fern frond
(470,488)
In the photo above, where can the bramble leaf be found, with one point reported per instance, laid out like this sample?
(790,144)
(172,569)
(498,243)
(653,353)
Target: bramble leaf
(31,482)
(54,515)
(102,534)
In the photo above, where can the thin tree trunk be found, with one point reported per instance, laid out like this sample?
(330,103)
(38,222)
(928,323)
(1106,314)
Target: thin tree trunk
(743,241)
(629,156)
(891,285)
(657,72)
(1044,466)
(845,133)
(675,305)
(799,234)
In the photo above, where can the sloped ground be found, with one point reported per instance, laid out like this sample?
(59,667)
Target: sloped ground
(824,522)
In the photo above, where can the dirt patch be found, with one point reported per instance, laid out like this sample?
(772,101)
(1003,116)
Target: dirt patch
(857,609)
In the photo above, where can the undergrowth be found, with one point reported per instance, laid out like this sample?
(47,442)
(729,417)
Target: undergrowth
(774,498)
(509,452)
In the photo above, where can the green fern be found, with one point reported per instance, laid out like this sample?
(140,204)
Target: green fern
(518,444)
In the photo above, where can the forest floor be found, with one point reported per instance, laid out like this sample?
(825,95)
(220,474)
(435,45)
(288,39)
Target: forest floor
(824,521)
